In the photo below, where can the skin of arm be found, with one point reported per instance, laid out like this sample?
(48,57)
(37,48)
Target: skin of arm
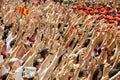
(112,59)
(13,53)
(51,67)
(75,77)
(116,60)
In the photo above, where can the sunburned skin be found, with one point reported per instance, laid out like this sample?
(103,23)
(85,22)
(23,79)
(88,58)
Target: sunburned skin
(76,39)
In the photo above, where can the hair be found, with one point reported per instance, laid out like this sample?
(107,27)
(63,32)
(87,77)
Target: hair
(99,68)
(27,38)
(4,36)
(87,41)
(99,50)
(42,37)
(31,78)
(43,52)
(36,30)
(71,42)
(35,63)
(118,65)
(4,77)
(23,33)
(95,74)
(59,25)
(90,34)
(12,43)
(81,73)
(4,56)
(80,25)
(60,59)
(54,79)
(77,59)
(1,20)
(65,25)
(72,70)
(8,26)
(113,72)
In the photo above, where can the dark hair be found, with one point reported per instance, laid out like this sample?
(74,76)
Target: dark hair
(5,76)
(87,41)
(80,73)
(113,72)
(35,63)
(27,38)
(118,65)
(59,25)
(23,33)
(80,25)
(72,70)
(43,52)
(77,59)
(1,20)
(54,79)
(71,42)
(59,61)
(12,43)
(36,30)
(96,73)
(99,50)
(99,68)
(8,26)
(65,25)
(42,37)
(31,78)
(4,56)
(5,34)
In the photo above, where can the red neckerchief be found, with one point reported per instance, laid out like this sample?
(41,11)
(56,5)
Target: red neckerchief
(73,28)
(2,53)
(0,76)
(69,77)
(32,39)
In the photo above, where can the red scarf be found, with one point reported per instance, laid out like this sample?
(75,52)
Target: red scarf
(69,77)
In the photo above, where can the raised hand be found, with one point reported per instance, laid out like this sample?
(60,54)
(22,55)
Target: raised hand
(106,70)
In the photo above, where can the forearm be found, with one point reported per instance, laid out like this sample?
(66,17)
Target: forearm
(25,57)
(116,60)
(112,44)
(112,59)
(51,68)
(90,76)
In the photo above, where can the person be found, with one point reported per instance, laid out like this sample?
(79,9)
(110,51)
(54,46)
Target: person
(43,40)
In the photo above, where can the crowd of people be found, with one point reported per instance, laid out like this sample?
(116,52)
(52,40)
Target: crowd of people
(59,40)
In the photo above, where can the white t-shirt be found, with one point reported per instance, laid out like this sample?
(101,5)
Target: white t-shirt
(1,58)
(8,40)
(18,73)
(41,75)
(5,70)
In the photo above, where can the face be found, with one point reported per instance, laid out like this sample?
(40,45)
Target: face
(38,56)
(15,65)
(38,66)
(85,74)
(71,73)
(118,36)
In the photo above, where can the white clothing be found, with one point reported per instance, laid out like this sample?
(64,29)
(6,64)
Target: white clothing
(18,73)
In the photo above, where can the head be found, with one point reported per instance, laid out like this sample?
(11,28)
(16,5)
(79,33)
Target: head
(37,63)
